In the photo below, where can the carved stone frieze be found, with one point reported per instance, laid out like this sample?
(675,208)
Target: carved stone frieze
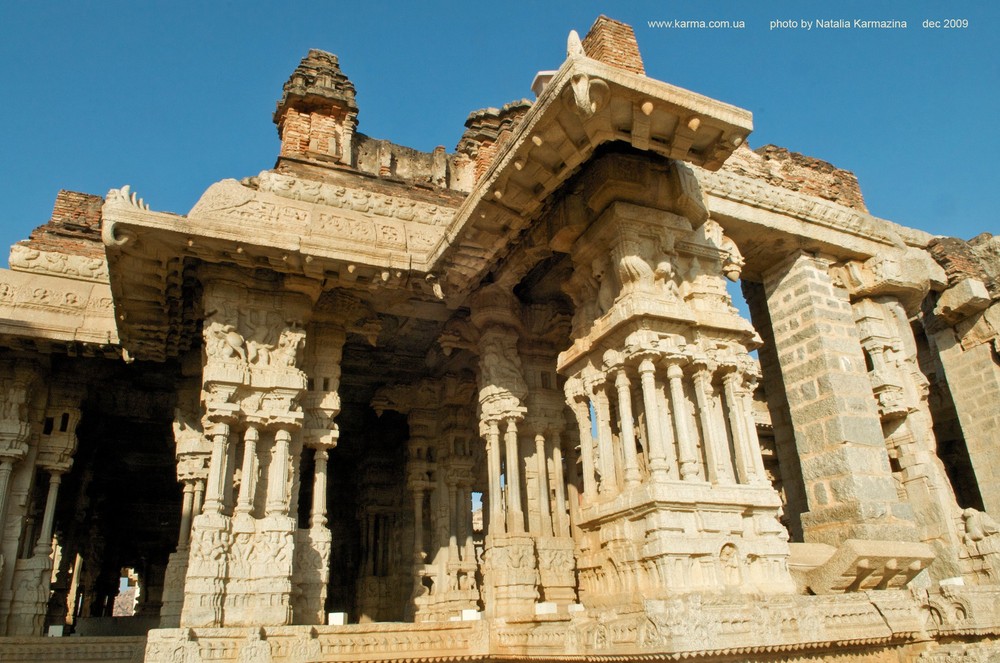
(592,456)
(340,219)
(27,259)
(757,194)
(56,308)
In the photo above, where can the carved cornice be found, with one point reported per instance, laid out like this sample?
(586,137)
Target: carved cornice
(49,308)
(586,103)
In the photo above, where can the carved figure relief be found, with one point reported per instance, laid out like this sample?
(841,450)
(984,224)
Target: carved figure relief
(500,365)
(224,343)
(607,289)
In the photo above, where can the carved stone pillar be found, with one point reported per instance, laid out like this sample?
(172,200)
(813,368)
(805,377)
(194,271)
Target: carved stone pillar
(497,520)
(687,457)
(6,468)
(418,525)
(838,431)
(17,381)
(321,405)
(901,392)
(43,547)
(515,514)
(631,470)
(312,552)
(510,573)
(219,435)
(660,304)
(439,471)
(717,461)
(746,470)
(193,453)
(201,594)
(544,507)
(19,395)
(32,575)
(581,412)
(199,496)
(242,560)
(277,482)
(248,486)
(453,518)
(658,463)
(187,513)
(605,450)
(56,444)
(745,396)
(560,518)
(317,514)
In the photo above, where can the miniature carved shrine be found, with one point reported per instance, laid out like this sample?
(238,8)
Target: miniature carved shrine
(498,404)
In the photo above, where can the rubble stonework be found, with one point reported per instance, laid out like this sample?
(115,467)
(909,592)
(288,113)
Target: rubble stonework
(498,404)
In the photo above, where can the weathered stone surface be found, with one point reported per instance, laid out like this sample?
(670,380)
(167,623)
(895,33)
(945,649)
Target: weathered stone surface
(863,565)
(498,404)
(963,299)
(798,172)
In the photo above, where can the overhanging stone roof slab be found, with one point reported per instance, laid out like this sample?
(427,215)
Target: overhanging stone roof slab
(587,103)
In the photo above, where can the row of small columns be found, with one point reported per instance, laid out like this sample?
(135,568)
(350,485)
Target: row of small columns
(508,517)
(43,544)
(514,521)
(460,529)
(220,471)
(553,518)
(191,504)
(748,462)
(459,496)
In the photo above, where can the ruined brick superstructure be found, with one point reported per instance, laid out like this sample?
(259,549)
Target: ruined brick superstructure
(497,404)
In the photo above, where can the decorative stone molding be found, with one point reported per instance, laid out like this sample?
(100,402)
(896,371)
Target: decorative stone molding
(28,259)
(56,309)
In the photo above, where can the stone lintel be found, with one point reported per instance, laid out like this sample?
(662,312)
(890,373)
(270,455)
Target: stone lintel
(962,300)
(56,310)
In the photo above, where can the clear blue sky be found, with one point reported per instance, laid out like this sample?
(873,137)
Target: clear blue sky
(172,96)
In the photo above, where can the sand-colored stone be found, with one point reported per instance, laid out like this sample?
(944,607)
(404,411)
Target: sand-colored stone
(497,404)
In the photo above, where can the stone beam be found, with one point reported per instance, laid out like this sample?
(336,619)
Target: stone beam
(768,223)
(320,235)
(55,311)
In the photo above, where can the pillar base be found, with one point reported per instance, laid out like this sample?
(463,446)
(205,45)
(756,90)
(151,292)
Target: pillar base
(511,576)
(173,589)
(686,537)
(557,569)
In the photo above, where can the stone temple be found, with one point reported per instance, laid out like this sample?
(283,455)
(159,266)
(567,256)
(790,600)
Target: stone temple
(497,404)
